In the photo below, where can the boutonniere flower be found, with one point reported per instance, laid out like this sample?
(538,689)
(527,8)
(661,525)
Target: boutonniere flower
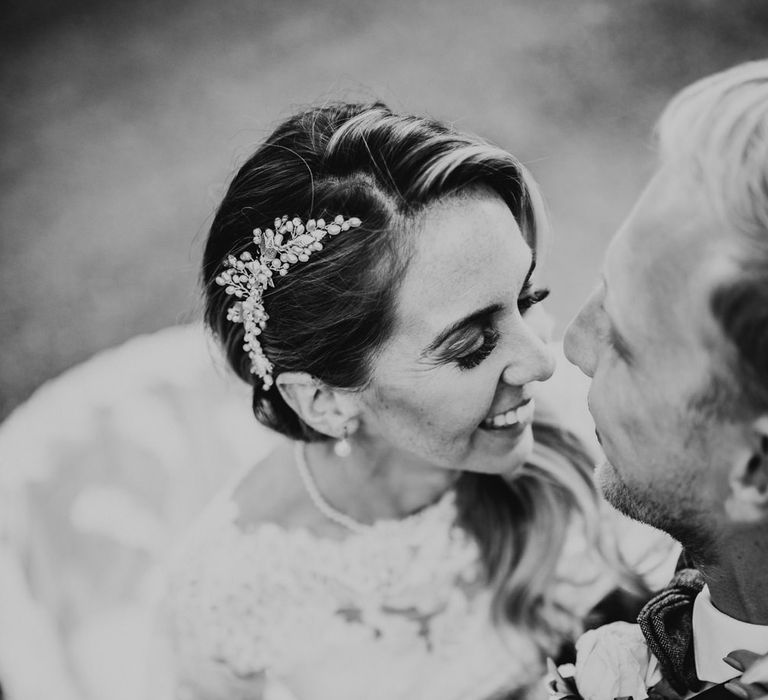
(612,661)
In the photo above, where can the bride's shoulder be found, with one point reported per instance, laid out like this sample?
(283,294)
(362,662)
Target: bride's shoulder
(257,511)
(271,492)
(228,586)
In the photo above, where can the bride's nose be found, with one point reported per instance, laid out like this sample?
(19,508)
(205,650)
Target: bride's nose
(532,360)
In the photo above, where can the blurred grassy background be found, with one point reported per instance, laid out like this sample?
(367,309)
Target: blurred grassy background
(122,121)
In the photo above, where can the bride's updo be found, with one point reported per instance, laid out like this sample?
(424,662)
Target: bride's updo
(329,316)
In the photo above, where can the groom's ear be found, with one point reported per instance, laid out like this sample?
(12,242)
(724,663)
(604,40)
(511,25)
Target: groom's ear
(747,501)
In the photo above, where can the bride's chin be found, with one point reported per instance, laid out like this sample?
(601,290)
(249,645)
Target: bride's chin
(504,459)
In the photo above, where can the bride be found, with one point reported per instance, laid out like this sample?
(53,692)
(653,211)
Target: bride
(422,531)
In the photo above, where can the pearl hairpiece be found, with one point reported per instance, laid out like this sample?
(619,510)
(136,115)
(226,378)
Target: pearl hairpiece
(247,277)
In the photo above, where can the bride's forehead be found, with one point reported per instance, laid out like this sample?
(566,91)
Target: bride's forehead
(465,258)
(465,237)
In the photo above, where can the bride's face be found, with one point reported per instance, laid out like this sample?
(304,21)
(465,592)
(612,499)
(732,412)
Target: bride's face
(452,387)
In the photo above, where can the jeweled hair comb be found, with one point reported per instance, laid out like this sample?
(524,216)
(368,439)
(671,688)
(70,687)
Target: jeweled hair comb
(247,277)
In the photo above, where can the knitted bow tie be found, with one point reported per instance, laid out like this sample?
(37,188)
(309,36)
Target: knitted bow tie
(666,622)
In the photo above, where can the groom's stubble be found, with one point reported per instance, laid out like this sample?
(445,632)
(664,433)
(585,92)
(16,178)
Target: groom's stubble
(663,512)
(674,504)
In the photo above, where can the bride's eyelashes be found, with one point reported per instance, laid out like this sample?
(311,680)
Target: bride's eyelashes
(482,348)
(485,343)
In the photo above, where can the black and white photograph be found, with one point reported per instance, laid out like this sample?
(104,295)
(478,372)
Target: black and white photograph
(384,350)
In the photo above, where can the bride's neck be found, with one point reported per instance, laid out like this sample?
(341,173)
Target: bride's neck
(373,484)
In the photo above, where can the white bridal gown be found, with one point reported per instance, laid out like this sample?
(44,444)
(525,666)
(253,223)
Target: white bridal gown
(106,470)
(101,471)
(396,612)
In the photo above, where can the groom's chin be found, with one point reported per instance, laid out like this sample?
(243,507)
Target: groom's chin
(629,502)
(605,478)
(614,490)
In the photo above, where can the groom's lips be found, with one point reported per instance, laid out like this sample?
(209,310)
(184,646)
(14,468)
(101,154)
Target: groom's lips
(597,433)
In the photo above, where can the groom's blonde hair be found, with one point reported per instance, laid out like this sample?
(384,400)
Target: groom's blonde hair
(717,131)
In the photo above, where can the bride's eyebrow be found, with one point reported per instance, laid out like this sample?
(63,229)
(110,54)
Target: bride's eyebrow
(473,319)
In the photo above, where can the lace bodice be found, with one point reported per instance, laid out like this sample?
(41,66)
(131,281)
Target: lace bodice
(397,611)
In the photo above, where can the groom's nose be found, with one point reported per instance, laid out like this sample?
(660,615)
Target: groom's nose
(580,338)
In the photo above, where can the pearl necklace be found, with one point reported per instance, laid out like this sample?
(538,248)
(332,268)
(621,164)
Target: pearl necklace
(300,455)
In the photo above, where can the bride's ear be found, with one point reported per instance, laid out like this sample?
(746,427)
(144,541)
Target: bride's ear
(321,407)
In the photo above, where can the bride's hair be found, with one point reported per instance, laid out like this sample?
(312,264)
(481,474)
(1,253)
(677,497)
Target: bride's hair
(330,315)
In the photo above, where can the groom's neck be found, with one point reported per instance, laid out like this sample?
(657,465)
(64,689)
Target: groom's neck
(738,583)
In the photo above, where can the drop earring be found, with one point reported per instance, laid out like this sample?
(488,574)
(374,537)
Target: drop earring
(342,448)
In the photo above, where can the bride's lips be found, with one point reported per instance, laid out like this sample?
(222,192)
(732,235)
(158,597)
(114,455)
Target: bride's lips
(514,419)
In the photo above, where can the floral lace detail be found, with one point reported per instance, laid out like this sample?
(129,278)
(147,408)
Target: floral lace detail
(400,601)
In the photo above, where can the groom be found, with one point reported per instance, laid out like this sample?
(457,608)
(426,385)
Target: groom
(675,340)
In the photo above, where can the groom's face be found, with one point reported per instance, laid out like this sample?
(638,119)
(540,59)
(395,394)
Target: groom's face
(660,393)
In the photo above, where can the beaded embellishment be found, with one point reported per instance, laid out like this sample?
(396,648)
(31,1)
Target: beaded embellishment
(248,276)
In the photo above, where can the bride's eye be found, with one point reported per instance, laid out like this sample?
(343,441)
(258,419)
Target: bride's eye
(482,348)
(530,297)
